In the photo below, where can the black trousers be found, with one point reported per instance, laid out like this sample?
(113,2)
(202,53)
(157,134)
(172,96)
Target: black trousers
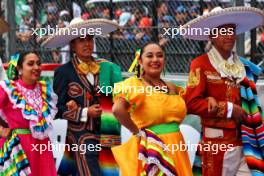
(85,147)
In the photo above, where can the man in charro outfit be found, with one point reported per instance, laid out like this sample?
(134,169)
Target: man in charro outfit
(79,85)
(222,74)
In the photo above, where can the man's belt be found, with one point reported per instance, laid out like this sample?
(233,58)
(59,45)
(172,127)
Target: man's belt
(224,135)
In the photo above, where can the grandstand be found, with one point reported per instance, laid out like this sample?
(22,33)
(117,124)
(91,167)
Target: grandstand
(140,21)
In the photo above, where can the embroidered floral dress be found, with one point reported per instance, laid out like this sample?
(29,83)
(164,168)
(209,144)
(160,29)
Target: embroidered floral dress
(28,110)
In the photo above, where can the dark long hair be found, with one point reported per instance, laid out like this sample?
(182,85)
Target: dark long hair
(142,51)
(20,62)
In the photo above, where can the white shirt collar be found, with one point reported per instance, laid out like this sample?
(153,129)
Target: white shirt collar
(230,60)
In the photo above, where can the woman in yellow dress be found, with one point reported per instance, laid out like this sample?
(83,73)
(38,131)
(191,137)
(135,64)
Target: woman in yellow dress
(152,110)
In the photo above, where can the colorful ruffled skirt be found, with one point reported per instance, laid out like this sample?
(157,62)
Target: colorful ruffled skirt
(21,154)
(127,154)
(13,160)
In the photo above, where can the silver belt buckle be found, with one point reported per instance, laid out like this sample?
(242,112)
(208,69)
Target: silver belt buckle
(213,132)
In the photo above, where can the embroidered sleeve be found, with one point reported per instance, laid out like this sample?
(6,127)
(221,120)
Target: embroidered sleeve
(194,78)
(222,109)
(195,96)
(60,88)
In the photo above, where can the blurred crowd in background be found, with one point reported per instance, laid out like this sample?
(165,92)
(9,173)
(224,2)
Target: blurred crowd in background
(136,19)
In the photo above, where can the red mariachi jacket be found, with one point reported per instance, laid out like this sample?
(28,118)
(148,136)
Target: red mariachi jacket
(204,81)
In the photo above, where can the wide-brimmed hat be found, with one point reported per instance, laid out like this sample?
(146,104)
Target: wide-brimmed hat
(4,27)
(245,19)
(79,27)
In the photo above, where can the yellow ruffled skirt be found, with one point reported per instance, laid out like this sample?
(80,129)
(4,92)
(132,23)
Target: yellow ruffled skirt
(126,155)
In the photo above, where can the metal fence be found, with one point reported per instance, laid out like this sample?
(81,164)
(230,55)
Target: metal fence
(141,21)
(257,39)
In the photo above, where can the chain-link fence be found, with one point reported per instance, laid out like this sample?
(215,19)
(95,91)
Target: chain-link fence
(140,21)
(257,40)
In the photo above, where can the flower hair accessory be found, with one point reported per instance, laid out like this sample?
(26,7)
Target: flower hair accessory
(11,70)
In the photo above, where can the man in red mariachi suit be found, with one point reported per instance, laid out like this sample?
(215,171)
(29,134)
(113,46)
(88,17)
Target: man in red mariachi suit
(219,127)
(218,74)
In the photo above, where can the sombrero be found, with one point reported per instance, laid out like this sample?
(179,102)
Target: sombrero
(245,19)
(4,27)
(79,27)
